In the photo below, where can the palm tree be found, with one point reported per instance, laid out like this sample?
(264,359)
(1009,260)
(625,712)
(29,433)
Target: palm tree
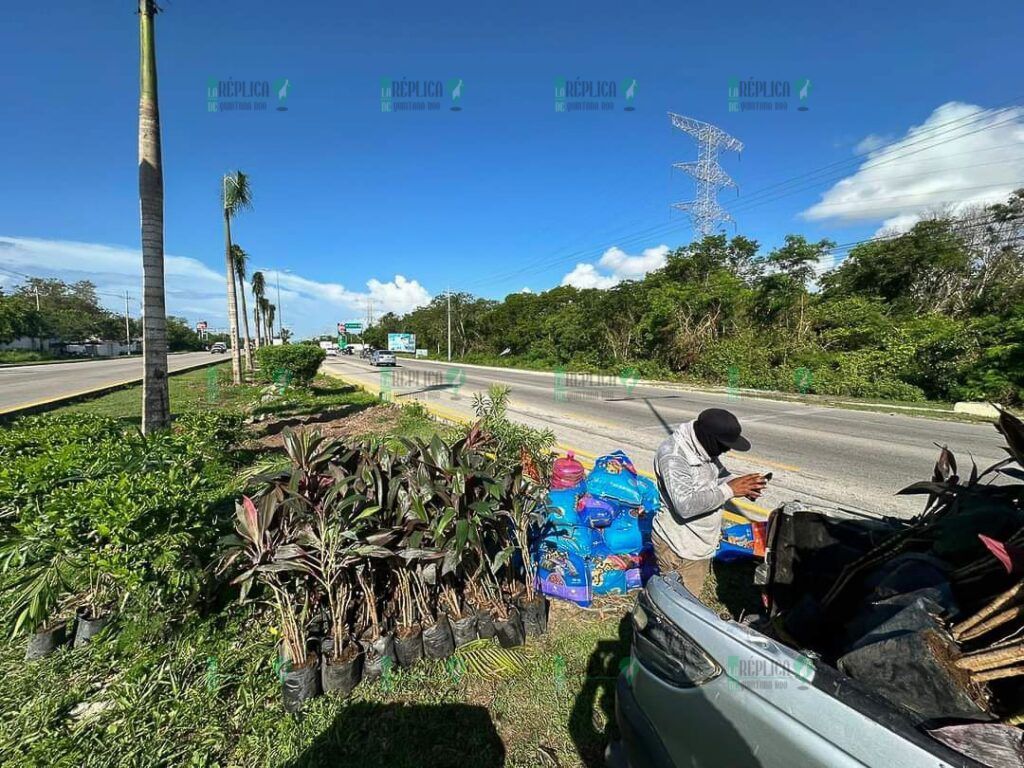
(236,196)
(267,320)
(156,406)
(259,287)
(240,257)
(271,311)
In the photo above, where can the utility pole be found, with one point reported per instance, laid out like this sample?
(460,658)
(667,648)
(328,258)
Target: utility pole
(37,299)
(127,327)
(369,311)
(449,292)
(705,210)
(280,309)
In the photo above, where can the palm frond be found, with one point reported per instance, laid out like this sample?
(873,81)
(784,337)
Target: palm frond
(236,193)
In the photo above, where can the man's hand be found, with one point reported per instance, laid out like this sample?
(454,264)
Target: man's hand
(748,486)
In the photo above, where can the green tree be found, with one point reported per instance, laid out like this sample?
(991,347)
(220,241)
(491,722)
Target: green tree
(236,195)
(240,260)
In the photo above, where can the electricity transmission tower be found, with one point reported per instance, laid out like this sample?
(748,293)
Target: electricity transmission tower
(705,210)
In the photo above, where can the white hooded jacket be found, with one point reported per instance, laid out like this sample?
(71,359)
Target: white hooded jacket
(694,487)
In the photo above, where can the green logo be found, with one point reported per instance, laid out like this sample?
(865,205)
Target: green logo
(629,92)
(212,674)
(455,93)
(454,377)
(455,667)
(387,678)
(212,385)
(282,379)
(561,390)
(803,91)
(628,377)
(387,383)
(559,675)
(803,380)
(733,389)
(281,87)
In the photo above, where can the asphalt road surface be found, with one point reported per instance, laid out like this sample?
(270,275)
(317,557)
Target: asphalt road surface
(25,385)
(834,456)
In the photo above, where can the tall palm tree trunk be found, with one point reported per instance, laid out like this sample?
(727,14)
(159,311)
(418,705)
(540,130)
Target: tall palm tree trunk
(156,406)
(236,358)
(256,323)
(245,324)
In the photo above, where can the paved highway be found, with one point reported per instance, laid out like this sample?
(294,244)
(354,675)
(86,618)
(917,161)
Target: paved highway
(25,385)
(835,456)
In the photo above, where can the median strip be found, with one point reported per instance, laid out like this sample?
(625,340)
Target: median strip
(23,408)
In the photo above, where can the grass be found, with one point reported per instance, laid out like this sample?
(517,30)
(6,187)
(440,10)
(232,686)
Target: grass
(210,389)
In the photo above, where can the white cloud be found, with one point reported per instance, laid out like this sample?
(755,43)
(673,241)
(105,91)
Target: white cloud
(870,143)
(962,155)
(587,276)
(617,265)
(198,292)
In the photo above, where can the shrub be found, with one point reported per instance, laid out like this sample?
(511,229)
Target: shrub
(297,363)
(94,512)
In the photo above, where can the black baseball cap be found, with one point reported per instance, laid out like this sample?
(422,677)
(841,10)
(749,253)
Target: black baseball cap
(724,427)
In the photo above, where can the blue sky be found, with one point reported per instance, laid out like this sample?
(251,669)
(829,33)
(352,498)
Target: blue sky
(506,193)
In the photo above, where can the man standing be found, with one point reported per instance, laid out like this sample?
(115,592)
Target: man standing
(694,487)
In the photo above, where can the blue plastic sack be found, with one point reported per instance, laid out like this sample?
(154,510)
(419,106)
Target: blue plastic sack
(571,538)
(595,512)
(610,583)
(623,536)
(562,508)
(650,496)
(562,574)
(614,477)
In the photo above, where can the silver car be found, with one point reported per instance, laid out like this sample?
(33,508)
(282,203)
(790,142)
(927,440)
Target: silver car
(382,357)
(702,690)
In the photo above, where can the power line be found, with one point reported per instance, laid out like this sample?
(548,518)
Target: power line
(748,204)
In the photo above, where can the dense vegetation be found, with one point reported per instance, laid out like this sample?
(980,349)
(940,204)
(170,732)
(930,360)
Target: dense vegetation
(936,312)
(72,313)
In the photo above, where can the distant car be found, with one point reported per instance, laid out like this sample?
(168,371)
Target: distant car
(331,351)
(347,351)
(218,348)
(382,357)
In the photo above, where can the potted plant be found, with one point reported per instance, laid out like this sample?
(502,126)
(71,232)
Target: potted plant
(93,617)
(437,632)
(263,548)
(408,634)
(525,514)
(378,643)
(461,618)
(341,667)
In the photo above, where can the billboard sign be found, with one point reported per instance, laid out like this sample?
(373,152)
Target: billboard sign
(201,325)
(401,342)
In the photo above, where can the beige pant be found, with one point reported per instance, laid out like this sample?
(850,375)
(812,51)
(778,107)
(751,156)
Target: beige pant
(693,573)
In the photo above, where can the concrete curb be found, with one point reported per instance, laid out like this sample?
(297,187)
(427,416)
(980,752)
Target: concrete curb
(41,405)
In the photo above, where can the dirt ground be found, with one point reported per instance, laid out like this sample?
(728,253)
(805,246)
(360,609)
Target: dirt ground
(375,420)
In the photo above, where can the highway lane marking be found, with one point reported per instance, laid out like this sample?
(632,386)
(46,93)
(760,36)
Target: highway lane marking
(449,415)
